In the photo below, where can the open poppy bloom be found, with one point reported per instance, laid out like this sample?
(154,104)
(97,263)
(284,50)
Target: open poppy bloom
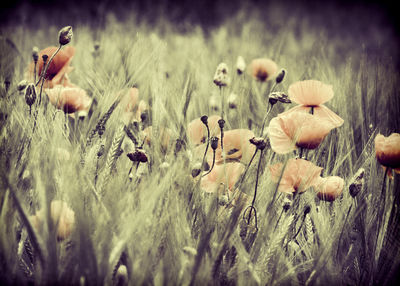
(62,217)
(297,177)
(129,99)
(69,99)
(57,73)
(263,69)
(237,147)
(387,150)
(329,188)
(313,93)
(197,131)
(222,177)
(288,130)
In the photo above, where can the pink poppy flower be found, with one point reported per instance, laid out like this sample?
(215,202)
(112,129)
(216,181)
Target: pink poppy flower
(297,177)
(313,93)
(329,188)
(303,130)
(69,99)
(197,131)
(62,217)
(57,73)
(220,175)
(263,69)
(387,150)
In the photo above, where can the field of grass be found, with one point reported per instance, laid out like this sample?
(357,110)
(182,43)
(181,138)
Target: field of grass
(154,218)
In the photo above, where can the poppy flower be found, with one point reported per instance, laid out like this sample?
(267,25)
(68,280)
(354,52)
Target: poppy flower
(62,217)
(57,73)
(164,137)
(263,69)
(221,77)
(237,147)
(220,175)
(297,177)
(197,131)
(329,188)
(313,93)
(69,99)
(387,150)
(288,130)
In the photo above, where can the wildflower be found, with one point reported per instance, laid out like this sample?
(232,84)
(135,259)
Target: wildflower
(22,85)
(142,111)
(237,146)
(139,155)
(313,93)
(57,73)
(259,142)
(129,99)
(281,75)
(357,183)
(30,94)
(62,217)
(274,97)
(240,65)
(65,35)
(197,131)
(164,136)
(297,177)
(387,150)
(221,175)
(329,188)
(69,99)
(221,77)
(303,130)
(262,69)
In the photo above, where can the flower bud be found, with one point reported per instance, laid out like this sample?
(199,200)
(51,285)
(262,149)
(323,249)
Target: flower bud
(35,54)
(307,210)
(121,277)
(357,182)
(65,35)
(214,143)
(232,101)
(221,123)
(204,119)
(286,204)
(221,77)
(240,65)
(22,85)
(214,103)
(138,155)
(30,94)
(281,75)
(274,97)
(259,142)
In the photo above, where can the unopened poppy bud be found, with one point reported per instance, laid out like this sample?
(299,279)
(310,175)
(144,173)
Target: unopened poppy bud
(138,155)
(259,142)
(307,210)
(356,183)
(44,58)
(204,119)
(221,77)
(240,65)
(65,35)
(221,123)
(121,277)
(196,169)
(30,94)
(96,46)
(35,54)
(286,204)
(214,143)
(22,85)
(281,75)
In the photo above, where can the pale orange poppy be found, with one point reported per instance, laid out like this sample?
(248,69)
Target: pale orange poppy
(387,150)
(313,93)
(303,130)
(329,188)
(69,99)
(297,177)
(57,73)
(222,177)
(197,131)
(263,69)
(61,215)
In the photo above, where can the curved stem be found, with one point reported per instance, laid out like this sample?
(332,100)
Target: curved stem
(265,118)
(208,143)
(297,233)
(212,166)
(247,168)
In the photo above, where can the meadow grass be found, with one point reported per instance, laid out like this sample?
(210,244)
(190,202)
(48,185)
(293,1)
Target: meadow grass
(159,223)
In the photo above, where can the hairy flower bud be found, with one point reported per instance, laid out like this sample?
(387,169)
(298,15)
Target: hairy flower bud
(204,119)
(221,123)
(22,85)
(65,35)
(214,143)
(35,54)
(281,75)
(240,65)
(259,142)
(221,77)
(274,97)
(356,184)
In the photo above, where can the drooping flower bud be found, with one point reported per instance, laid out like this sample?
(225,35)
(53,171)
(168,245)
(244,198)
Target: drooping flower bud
(65,35)
(281,75)
(30,94)
(240,65)
(232,100)
(307,209)
(221,77)
(196,169)
(259,142)
(274,97)
(22,85)
(356,184)
(204,119)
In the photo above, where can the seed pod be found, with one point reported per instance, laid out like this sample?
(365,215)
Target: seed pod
(35,54)
(204,119)
(221,123)
(240,65)
(65,35)
(214,143)
(281,75)
(30,94)
(221,77)
(259,142)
